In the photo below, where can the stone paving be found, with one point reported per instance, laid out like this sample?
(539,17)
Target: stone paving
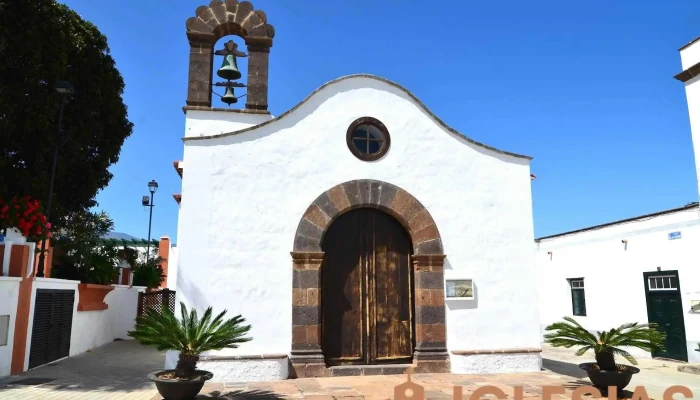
(378,387)
(117,371)
(655,375)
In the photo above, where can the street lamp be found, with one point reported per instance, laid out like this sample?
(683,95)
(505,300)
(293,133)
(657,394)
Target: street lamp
(64,89)
(146,202)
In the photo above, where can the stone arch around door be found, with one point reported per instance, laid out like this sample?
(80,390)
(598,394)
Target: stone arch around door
(428,259)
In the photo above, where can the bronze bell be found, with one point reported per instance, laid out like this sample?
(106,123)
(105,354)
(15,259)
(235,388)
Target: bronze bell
(229,69)
(228,97)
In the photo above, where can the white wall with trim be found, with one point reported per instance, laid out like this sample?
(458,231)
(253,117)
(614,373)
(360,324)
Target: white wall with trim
(613,272)
(9,292)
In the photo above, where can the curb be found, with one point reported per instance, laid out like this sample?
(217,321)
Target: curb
(690,368)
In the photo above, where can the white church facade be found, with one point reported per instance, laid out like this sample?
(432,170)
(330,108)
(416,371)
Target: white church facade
(357,233)
(642,269)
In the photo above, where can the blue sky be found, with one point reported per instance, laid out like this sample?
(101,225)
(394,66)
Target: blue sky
(586,88)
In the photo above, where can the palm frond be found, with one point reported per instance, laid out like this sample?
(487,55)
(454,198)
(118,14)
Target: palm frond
(625,354)
(630,335)
(569,334)
(190,334)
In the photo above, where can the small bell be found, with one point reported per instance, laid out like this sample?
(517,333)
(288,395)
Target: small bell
(228,97)
(229,69)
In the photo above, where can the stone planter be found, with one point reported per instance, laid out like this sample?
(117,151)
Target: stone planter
(91,297)
(603,379)
(15,236)
(171,389)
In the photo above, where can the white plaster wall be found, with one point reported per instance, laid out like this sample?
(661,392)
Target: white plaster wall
(238,370)
(96,328)
(123,303)
(692,92)
(613,276)
(243,196)
(6,258)
(495,363)
(690,55)
(204,123)
(49,283)
(9,292)
(91,329)
(172,268)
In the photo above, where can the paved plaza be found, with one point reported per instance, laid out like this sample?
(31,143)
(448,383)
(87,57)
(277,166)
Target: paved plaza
(117,371)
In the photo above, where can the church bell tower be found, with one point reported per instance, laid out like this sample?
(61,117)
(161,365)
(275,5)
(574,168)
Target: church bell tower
(211,23)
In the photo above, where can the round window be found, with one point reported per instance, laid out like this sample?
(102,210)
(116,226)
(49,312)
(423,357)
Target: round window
(368,139)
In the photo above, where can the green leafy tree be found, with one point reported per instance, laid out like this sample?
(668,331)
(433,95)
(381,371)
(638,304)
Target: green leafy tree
(147,271)
(42,42)
(83,255)
(190,335)
(605,344)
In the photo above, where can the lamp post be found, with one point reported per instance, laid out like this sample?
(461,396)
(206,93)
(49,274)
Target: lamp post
(64,89)
(146,202)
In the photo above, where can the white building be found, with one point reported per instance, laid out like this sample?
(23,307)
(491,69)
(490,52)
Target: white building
(643,269)
(357,233)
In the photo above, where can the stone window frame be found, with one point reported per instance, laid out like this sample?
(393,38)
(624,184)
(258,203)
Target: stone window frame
(377,124)
(428,259)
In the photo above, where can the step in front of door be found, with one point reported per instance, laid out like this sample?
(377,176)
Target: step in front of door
(359,370)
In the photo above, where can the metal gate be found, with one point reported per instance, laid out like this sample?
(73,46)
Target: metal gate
(51,331)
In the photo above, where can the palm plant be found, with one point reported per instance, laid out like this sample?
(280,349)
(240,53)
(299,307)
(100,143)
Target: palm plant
(605,344)
(190,335)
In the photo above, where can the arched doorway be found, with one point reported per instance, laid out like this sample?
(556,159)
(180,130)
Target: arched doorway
(312,242)
(366,299)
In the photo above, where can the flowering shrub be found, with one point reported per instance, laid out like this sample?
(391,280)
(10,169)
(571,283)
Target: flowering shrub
(25,214)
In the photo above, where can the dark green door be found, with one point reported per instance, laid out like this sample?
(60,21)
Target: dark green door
(664,308)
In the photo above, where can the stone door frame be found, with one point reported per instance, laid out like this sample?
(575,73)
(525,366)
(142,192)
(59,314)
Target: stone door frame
(428,264)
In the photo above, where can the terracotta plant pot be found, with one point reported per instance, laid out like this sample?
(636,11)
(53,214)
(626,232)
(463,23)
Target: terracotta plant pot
(602,379)
(172,389)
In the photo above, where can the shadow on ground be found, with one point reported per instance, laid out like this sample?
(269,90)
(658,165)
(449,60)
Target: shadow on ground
(119,366)
(564,368)
(241,394)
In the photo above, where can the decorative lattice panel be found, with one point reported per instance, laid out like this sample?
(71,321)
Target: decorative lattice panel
(158,301)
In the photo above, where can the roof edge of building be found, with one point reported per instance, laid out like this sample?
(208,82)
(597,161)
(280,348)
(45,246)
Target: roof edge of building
(688,206)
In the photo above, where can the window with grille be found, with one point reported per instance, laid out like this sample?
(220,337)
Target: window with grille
(578,297)
(368,139)
(663,282)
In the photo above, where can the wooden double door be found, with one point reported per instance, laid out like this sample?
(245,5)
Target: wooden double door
(367,290)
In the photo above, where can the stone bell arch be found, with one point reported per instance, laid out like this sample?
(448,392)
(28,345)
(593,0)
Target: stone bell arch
(212,22)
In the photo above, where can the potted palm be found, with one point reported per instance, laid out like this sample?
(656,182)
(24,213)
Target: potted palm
(605,371)
(190,336)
